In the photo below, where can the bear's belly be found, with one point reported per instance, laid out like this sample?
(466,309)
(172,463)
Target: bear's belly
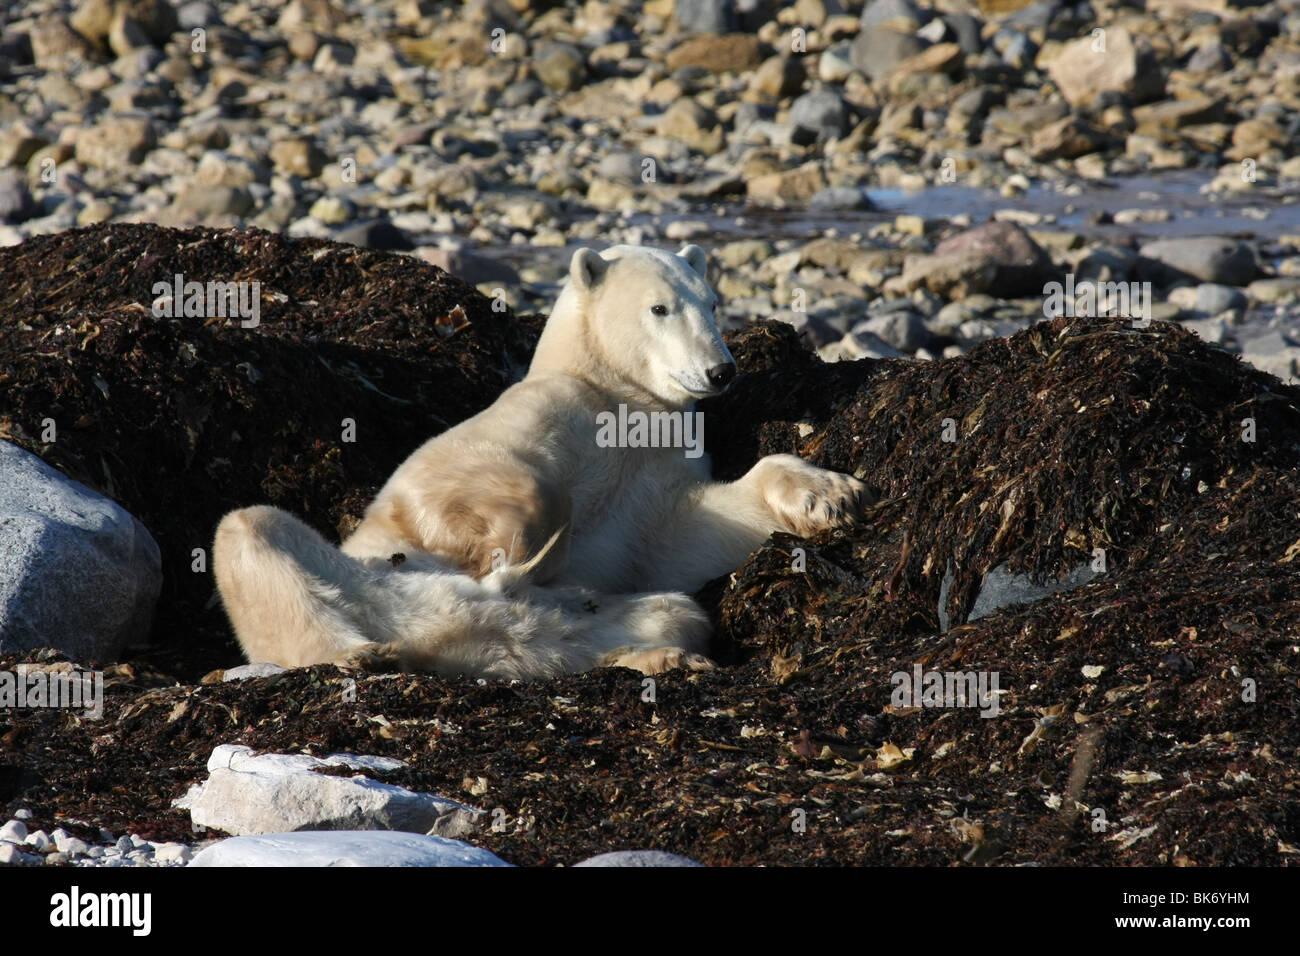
(615,527)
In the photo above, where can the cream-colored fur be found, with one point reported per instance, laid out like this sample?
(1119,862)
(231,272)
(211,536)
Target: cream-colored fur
(526,549)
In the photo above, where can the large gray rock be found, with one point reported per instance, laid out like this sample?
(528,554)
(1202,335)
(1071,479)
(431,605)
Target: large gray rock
(77,572)
(344,848)
(1205,258)
(902,329)
(1023,266)
(248,793)
(638,858)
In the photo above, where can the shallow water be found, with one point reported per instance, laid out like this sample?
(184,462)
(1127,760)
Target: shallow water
(1263,214)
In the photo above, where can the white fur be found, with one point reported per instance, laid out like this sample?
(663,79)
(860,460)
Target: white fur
(523,542)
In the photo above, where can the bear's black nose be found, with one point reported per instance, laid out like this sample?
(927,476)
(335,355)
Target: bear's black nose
(721,375)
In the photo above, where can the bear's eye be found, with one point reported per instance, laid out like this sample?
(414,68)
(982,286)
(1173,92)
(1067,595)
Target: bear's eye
(659,309)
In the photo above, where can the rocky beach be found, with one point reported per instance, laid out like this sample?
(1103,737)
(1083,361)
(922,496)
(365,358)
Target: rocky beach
(1029,270)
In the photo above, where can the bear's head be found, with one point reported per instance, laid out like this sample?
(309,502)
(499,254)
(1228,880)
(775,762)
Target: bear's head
(639,321)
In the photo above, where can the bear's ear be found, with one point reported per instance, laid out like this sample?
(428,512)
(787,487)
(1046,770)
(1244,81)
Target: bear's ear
(587,269)
(696,258)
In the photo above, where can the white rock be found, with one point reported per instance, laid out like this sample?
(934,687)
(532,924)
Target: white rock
(638,858)
(69,844)
(344,848)
(15,831)
(10,855)
(249,793)
(243,671)
(172,853)
(241,758)
(39,841)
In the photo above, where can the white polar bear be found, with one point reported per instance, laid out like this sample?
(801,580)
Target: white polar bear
(514,545)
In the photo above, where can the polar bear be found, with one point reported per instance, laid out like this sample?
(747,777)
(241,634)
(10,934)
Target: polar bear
(537,538)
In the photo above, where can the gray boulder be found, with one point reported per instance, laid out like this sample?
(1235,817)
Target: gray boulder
(1204,258)
(1023,266)
(904,330)
(77,572)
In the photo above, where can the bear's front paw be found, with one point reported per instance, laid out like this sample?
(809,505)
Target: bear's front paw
(807,499)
